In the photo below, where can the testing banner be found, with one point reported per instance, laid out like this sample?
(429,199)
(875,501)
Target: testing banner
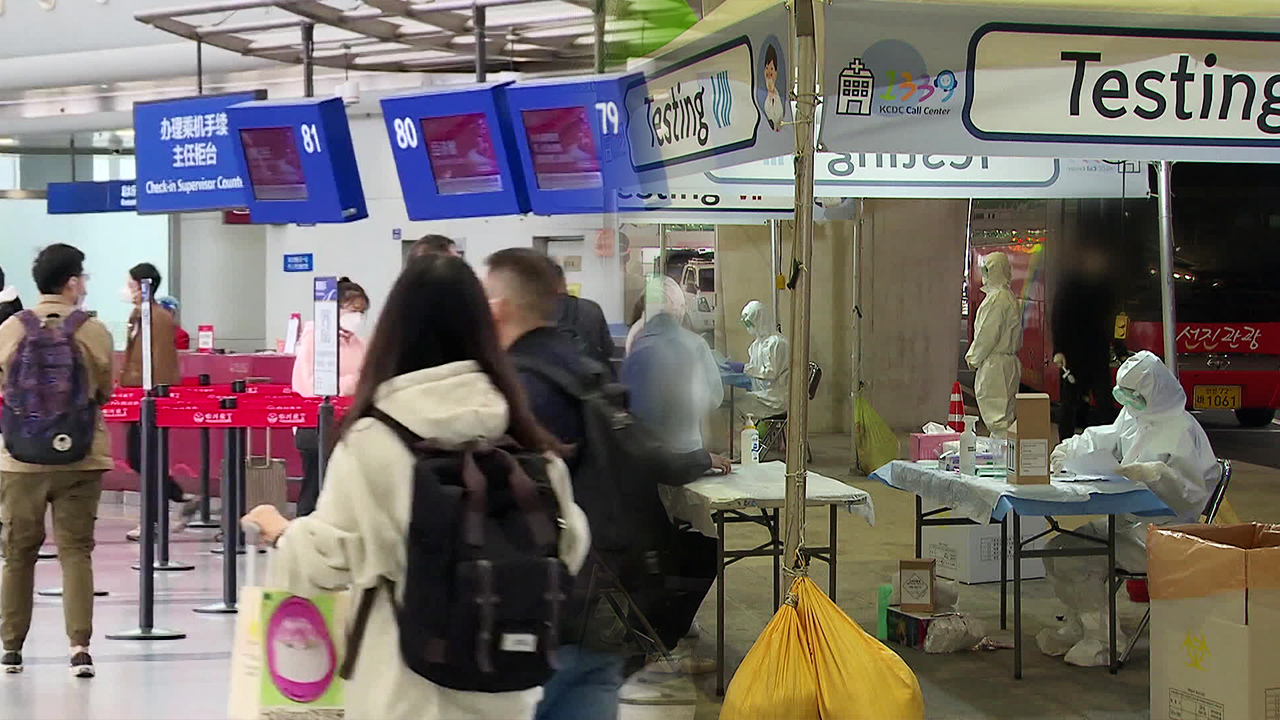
(926,78)
(716,100)
(186,155)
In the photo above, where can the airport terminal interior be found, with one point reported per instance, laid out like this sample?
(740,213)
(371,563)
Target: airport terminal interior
(909,359)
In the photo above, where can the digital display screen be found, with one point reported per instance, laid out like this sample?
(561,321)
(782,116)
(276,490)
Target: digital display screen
(275,168)
(563,149)
(462,156)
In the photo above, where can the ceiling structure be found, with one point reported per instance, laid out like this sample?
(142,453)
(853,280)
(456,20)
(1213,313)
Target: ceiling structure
(528,36)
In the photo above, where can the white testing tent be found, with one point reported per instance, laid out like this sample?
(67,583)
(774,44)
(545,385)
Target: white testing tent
(1154,80)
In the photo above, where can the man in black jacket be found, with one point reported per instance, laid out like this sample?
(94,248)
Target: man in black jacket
(583,320)
(521,284)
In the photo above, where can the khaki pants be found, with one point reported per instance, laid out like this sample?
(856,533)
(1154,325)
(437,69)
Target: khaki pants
(24,499)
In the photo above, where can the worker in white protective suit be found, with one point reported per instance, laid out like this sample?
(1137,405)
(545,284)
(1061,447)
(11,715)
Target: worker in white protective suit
(1157,443)
(997,338)
(768,364)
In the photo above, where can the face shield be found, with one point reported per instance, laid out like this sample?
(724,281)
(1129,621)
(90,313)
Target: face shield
(1131,399)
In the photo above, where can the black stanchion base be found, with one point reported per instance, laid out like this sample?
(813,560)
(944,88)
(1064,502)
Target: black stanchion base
(57,592)
(216,609)
(171,566)
(239,551)
(202,525)
(147,634)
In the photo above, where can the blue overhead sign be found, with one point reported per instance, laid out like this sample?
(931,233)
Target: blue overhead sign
(298,162)
(454,153)
(92,197)
(572,138)
(186,155)
(299,262)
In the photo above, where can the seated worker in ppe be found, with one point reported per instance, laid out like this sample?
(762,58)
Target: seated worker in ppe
(768,365)
(997,338)
(1158,443)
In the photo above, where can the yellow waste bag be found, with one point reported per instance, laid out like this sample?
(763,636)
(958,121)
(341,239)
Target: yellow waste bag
(776,679)
(876,443)
(858,677)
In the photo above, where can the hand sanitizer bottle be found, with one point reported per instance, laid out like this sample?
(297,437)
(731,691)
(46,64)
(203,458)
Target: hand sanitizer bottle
(968,447)
(750,440)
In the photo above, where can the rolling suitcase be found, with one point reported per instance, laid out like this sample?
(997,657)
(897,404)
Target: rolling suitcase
(265,480)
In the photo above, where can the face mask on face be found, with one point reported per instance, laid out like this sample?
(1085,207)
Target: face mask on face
(351,322)
(1129,398)
(126,295)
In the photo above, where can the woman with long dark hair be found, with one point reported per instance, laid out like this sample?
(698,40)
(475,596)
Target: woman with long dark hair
(434,365)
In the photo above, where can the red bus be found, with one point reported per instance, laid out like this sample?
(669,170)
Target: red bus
(1227,244)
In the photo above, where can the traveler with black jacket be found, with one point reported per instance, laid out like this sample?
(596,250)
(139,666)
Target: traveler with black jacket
(521,285)
(583,320)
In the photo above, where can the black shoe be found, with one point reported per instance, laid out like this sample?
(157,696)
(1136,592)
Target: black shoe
(82,665)
(12,662)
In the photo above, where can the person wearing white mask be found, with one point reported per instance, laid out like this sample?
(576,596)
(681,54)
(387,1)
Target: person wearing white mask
(767,365)
(353,304)
(997,338)
(1157,443)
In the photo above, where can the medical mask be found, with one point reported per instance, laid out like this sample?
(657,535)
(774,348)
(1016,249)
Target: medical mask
(1129,398)
(351,322)
(126,295)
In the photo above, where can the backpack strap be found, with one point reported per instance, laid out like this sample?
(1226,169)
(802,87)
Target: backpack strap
(355,638)
(30,321)
(74,321)
(407,436)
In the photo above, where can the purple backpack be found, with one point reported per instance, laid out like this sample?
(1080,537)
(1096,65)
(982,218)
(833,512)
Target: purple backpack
(48,416)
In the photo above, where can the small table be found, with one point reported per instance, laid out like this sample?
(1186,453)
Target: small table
(981,500)
(712,502)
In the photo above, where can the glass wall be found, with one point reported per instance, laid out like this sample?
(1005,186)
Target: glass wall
(112,243)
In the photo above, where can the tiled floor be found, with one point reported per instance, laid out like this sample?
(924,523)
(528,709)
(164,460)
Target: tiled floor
(188,678)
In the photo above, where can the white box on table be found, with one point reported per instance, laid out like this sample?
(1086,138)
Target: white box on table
(970,553)
(1215,621)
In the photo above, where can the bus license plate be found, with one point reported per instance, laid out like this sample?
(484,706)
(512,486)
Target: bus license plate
(1216,397)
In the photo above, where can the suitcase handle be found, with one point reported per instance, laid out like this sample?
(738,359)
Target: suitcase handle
(252,536)
(248,449)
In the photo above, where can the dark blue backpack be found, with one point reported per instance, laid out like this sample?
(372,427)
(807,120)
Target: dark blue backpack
(48,417)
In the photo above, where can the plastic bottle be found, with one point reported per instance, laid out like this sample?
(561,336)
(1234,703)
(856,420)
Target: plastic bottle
(750,439)
(969,447)
(883,594)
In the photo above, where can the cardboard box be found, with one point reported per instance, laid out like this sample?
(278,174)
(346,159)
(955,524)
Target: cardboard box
(971,553)
(917,584)
(908,628)
(1029,441)
(929,447)
(1215,621)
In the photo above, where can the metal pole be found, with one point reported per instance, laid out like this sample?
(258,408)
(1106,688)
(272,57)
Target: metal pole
(482,49)
(857,329)
(775,251)
(71,153)
(324,436)
(308,60)
(1164,171)
(798,409)
(199,67)
(230,520)
(662,249)
(599,36)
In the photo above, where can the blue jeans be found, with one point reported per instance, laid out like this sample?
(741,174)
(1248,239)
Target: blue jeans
(584,688)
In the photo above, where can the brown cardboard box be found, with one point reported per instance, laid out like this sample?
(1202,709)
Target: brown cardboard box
(1215,621)
(1027,453)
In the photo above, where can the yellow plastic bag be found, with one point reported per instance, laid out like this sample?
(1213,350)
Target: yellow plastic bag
(858,677)
(876,443)
(776,679)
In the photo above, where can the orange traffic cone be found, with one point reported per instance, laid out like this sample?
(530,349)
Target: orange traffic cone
(955,416)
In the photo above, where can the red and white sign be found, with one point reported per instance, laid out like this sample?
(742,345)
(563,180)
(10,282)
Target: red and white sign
(122,409)
(204,339)
(463,158)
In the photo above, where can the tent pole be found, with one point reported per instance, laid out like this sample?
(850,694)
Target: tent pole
(1164,171)
(798,409)
(857,330)
(775,251)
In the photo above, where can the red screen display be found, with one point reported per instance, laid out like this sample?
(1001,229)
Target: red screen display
(563,149)
(275,168)
(463,158)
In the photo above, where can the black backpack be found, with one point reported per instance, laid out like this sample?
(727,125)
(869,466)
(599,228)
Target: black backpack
(620,464)
(484,587)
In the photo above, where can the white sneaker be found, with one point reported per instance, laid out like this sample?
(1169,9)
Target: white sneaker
(1056,642)
(1093,650)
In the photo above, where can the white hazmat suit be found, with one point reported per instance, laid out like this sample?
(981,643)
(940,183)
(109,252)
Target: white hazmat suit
(768,363)
(1158,443)
(997,338)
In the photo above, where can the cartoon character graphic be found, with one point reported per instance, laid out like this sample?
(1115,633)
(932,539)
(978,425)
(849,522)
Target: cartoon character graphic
(773,108)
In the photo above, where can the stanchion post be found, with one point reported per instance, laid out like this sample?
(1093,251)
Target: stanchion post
(150,484)
(205,520)
(230,522)
(324,433)
(161,461)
